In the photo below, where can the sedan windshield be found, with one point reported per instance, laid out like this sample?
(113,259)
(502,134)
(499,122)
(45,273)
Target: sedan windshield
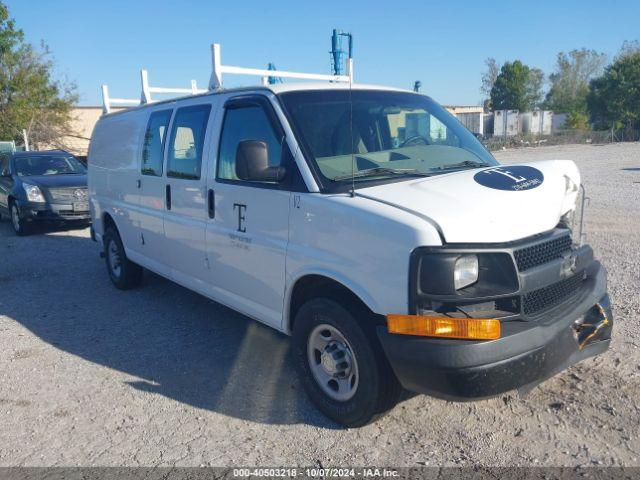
(26,166)
(368,135)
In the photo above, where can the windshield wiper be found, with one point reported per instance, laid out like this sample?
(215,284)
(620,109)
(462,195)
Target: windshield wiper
(465,164)
(371,172)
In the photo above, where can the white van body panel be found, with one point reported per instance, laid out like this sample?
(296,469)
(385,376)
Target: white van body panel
(362,244)
(185,223)
(114,152)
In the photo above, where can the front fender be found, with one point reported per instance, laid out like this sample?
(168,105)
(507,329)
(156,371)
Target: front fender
(349,283)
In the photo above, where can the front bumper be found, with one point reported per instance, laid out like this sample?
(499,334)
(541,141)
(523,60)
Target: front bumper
(52,212)
(528,352)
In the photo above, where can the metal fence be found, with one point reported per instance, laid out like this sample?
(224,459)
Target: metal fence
(561,137)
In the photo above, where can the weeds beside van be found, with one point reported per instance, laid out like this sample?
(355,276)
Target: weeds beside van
(367,223)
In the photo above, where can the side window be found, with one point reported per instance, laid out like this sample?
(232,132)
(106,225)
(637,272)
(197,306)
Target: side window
(245,123)
(187,141)
(153,149)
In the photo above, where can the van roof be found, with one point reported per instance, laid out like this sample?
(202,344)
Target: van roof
(290,87)
(276,89)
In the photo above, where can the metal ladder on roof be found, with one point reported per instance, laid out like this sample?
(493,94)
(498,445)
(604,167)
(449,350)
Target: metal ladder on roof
(215,81)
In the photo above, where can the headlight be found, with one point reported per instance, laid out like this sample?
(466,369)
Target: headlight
(569,185)
(33,193)
(465,271)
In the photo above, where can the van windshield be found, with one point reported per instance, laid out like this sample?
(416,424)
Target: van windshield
(393,135)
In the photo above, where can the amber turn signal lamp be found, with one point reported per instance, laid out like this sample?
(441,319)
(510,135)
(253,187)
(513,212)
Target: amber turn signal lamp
(444,327)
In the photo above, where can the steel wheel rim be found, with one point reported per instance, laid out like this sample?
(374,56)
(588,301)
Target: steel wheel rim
(333,363)
(115,263)
(15,218)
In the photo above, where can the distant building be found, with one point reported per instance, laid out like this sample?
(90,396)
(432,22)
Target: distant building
(456,109)
(538,122)
(559,121)
(83,121)
(506,123)
(471,116)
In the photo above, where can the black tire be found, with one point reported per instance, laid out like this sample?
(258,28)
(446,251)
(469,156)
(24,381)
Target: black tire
(123,272)
(377,389)
(20,226)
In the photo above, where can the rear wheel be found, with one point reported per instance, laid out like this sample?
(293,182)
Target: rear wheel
(341,365)
(19,225)
(123,272)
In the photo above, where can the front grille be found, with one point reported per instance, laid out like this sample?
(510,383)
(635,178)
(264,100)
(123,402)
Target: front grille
(69,194)
(552,295)
(542,253)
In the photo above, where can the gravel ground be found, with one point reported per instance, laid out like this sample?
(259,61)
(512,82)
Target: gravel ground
(90,375)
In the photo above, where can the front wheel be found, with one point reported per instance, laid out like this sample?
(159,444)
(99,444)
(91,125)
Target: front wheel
(123,272)
(340,364)
(19,225)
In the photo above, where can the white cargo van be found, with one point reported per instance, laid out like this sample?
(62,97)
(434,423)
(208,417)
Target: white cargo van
(367,223)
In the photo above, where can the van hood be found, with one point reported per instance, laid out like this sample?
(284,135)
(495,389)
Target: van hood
(488,205)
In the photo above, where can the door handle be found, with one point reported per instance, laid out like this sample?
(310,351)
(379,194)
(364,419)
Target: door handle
(211,203)
(168,196)
(138,183)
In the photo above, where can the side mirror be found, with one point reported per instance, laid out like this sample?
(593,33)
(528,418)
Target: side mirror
(252,163)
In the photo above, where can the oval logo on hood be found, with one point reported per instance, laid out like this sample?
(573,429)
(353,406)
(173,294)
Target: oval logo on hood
(516,177)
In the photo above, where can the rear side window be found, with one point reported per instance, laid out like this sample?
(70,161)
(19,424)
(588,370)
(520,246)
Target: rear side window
(246,123)
(153,149)
(187,141)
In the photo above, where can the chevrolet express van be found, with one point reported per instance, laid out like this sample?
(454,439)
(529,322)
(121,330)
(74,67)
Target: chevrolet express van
(365,222)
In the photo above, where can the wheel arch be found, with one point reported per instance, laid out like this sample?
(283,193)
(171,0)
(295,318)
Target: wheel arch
(324,284)
(108,221)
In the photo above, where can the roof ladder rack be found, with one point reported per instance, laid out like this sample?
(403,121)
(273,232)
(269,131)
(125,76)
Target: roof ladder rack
(108,101)
(215,82)
(147,90)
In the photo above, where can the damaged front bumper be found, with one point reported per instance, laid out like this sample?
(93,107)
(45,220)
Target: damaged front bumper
(527,353)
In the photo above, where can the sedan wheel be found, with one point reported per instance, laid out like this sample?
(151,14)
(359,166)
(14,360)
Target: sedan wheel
(16,222)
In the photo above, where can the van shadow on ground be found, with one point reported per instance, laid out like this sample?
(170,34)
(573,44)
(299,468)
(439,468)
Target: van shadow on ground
(175,342)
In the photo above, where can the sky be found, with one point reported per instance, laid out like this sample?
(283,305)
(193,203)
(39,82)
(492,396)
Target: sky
(441,43)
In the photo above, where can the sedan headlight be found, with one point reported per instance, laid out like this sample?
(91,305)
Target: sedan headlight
(465,271)
(33,193)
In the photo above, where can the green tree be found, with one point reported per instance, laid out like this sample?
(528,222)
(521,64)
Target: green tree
(629,47)
(614,98)
(488,79)
(569,83)
(577,120)
(30,98)
(517,86)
